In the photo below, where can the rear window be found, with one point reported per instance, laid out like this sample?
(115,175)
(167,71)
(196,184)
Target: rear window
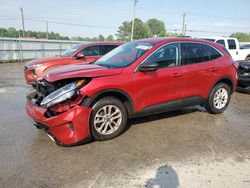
(222,42)
(197,53)
(231,44)
(106,48)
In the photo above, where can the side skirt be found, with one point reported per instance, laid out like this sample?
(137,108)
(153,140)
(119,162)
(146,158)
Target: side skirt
(169,106)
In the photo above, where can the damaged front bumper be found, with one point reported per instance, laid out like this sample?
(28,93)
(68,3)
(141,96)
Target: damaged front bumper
(244,77)
(243,84)
(67,128)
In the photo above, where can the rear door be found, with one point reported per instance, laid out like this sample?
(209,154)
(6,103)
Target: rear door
(200,68)
(233,50)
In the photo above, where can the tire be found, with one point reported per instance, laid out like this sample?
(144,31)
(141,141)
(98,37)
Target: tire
(218,99)
(248,58)
(108,118)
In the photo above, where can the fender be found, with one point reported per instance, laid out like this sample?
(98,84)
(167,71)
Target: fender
(89,101)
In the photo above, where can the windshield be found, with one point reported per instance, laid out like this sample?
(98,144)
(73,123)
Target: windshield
(124,55)
(70,51)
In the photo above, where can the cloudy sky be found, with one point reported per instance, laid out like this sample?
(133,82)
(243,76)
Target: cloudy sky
(87,18)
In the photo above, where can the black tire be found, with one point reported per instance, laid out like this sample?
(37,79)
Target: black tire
(248,58)
(211,106)
(99,107)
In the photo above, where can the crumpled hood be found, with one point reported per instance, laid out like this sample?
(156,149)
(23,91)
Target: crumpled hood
(43,60)
(79,71)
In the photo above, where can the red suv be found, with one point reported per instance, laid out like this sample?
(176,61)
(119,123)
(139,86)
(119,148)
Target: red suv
(81,53)
(77,102)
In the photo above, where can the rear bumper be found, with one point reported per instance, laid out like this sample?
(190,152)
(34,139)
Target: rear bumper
(67,128)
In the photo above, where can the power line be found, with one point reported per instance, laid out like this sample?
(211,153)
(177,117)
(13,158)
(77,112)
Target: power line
(72,24)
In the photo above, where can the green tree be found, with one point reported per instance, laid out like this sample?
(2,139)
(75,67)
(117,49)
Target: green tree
(157,27)
(141,30)
(242,37)
(100,38)
(124,31)
(110,38)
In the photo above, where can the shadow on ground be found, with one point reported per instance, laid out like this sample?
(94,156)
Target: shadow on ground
(165,177)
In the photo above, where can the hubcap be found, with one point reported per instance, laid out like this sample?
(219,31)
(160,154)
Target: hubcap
(108,119)
(220,98)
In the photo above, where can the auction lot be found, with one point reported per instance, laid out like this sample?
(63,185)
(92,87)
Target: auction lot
(185,148)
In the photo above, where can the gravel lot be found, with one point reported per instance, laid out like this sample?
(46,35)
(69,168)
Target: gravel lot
(185,148)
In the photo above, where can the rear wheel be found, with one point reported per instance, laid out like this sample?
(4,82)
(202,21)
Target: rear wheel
(218,99)
(108,118)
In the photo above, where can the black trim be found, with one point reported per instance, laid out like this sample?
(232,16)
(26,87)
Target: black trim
(46,129)
(221,79)
(169,106)
(88,101)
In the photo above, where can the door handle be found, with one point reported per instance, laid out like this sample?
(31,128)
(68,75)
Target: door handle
(176,75)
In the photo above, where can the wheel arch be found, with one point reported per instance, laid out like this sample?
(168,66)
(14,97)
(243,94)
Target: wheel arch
(247,57)
(225,80)
(121,95)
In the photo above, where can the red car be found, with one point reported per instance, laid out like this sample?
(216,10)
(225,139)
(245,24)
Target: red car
(81,53)
(78,102)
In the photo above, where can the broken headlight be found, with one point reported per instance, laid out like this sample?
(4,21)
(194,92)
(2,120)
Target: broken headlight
(62,94)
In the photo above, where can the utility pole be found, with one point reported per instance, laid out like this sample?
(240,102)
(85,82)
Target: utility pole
(47,29)
(133,21)
(21,9)
(184,24)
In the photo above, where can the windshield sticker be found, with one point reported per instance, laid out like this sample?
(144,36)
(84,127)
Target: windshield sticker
(143,47)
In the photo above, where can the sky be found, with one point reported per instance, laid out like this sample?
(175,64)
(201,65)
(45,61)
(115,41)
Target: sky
(89,18)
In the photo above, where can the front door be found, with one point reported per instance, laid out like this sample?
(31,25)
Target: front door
(164,84)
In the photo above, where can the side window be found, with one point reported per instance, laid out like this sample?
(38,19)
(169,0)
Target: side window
(221,42)
(231,44)
(106,48)
(213,54)
(194,53)
(166,56)
(91,51)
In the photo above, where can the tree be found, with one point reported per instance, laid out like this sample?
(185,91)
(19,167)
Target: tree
(157,27)
(110,38)
(141,30)
(242,37)
(124,31)
(100,38)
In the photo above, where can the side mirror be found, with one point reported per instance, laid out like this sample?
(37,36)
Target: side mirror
(79,56)
(146,67)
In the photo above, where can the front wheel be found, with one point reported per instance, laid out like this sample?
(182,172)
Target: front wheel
(108,118)
(218,99)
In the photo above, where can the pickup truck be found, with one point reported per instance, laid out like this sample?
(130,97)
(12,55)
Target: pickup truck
(233,47)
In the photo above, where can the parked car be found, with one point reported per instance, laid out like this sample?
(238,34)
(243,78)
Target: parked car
(75,103)
(244,77)
(233,47)
(81,53)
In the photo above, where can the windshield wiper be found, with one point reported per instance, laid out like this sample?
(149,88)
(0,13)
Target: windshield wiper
(104,65)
